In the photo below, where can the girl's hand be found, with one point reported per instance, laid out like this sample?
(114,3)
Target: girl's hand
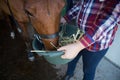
(71,50)
(63,21)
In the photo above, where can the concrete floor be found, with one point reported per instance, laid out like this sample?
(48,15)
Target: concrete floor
(105,71)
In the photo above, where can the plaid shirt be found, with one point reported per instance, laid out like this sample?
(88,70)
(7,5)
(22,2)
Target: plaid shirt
(98,20)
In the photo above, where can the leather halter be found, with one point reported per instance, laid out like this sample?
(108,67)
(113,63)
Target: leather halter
(14,20)
(51,36)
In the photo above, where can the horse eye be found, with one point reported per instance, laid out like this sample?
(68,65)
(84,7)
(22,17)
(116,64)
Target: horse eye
(28,13)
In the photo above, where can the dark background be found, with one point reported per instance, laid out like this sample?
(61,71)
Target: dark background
(14,64)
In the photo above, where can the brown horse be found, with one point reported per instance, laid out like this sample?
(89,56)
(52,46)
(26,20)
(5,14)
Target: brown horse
(44,15)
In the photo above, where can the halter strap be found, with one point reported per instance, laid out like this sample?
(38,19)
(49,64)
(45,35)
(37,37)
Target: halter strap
(18,27)
(50,36)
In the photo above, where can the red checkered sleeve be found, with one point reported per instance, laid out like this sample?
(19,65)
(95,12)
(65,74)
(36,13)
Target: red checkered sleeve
(86,40)
(72,13)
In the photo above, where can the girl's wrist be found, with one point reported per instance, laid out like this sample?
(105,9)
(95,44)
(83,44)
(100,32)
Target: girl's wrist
(79,44)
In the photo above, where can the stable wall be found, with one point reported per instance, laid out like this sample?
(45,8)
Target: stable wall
(113,53)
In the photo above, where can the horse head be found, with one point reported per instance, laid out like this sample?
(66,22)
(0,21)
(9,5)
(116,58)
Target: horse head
(45,18)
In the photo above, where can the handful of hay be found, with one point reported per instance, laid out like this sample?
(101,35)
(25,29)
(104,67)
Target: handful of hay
(64,40)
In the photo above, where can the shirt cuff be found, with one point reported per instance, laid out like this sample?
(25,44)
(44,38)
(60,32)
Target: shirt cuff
(86,40)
